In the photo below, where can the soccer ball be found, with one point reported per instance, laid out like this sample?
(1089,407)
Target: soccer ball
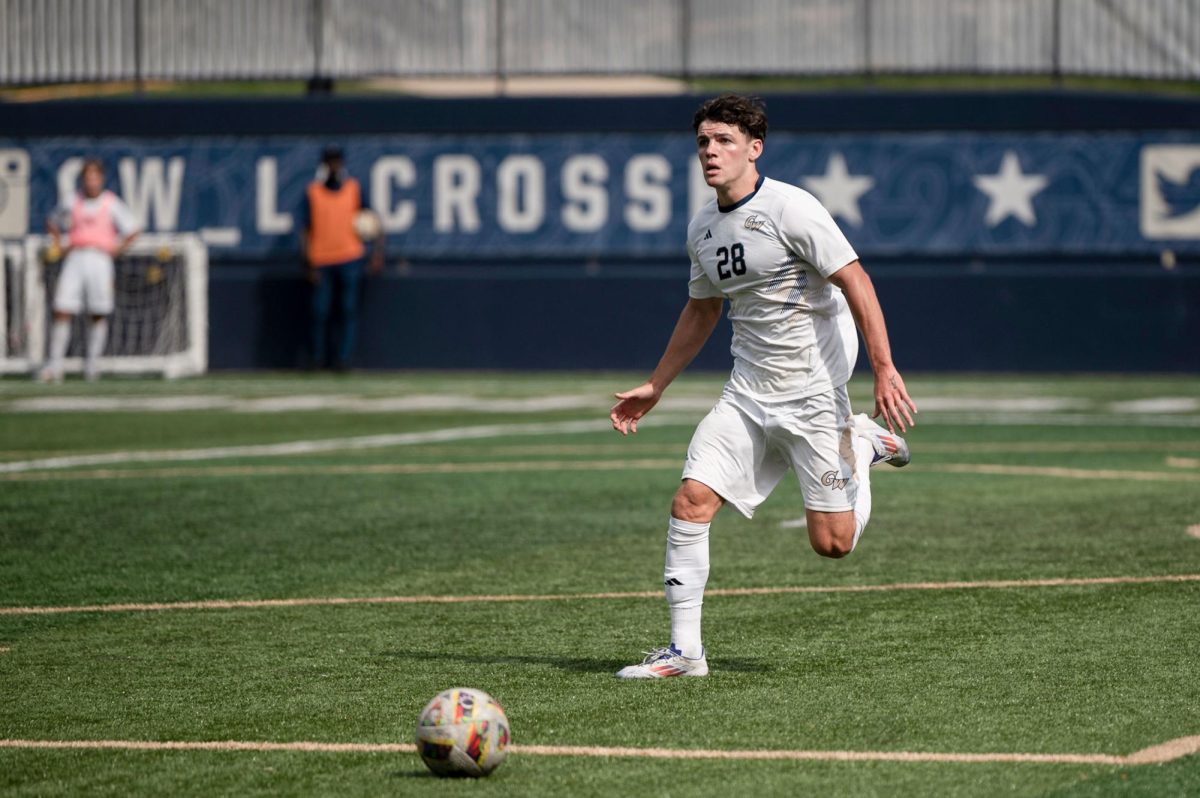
(462,732)
(367,225)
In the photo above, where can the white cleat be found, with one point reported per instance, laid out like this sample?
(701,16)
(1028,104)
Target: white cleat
(663,663)
(889,448)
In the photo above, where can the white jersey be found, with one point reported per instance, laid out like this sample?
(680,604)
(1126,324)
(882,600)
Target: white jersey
(771,255)
(122,216)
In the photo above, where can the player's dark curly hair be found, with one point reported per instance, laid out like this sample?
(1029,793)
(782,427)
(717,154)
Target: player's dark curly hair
(748,113)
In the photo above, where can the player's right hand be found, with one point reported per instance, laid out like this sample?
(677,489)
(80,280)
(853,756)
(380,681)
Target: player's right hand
(631,406)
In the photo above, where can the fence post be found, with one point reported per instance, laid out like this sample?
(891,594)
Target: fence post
(868,55)
(319,83)
(1056,43)
(685,36)
(500,66)
(139,75)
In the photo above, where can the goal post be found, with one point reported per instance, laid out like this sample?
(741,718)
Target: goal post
(159,322)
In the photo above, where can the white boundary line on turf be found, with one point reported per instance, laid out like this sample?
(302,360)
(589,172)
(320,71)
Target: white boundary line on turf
(1162,753)
(330,601)
(309,447)
(1194,531)
(545,465)
(1066,473)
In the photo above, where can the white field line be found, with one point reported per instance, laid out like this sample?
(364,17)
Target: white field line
(1154,755)
(309,447)
(650,464)
(1194,531)
(1183,462)
(328,601)
(1059,420)
(329,470)
(1066,473)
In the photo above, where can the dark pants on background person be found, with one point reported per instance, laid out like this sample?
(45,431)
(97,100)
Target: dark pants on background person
(348,277)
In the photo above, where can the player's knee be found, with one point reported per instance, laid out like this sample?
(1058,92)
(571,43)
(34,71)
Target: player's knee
(832,547)
(695,502)
(831,535)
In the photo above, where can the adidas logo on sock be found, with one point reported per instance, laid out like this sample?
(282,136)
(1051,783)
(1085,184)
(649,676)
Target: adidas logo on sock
(708,235)
(673,583)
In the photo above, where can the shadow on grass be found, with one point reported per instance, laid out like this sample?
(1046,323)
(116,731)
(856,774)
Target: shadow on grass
(572,664)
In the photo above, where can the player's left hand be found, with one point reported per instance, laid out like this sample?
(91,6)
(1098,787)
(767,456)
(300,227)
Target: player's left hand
(631,406)
(375,264)
(893,402)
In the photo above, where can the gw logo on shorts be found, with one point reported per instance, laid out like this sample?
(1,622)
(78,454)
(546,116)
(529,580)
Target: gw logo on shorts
(832,479)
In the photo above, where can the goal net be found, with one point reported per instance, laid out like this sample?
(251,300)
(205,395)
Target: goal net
(160,319)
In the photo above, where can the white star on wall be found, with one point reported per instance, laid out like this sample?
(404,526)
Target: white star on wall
(838,190)
(1010,192)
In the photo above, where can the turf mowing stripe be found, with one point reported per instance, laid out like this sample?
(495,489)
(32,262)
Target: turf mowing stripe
(1157,754)
(329,601)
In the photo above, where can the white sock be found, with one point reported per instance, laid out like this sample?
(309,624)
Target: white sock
(97,335)
(685,575)
(60,337)
(864,453)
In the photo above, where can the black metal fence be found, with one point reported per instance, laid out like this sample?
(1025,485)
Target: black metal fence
(53,41)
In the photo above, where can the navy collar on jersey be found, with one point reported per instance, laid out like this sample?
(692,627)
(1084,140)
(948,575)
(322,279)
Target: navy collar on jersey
(743,200)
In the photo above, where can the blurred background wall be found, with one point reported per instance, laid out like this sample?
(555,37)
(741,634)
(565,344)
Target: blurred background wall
(1031,228)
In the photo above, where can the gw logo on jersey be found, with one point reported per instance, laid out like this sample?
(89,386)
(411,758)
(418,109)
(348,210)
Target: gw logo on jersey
(754,223)
(1170,191)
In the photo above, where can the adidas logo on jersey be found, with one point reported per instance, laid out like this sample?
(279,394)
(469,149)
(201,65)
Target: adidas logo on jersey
(673,582)
(708,235)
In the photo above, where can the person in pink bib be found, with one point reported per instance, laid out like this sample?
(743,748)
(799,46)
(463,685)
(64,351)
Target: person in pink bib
(98,228)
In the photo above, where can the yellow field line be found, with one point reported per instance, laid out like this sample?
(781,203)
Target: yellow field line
(329,601)
(1154,755)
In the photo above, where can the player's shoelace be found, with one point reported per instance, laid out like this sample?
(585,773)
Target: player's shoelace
(657,654)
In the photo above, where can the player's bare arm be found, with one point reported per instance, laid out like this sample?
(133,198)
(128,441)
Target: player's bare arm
(695,325)
(891,397)
(124,243)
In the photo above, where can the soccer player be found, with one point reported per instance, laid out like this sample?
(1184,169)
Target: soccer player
(795,290)
(99,228)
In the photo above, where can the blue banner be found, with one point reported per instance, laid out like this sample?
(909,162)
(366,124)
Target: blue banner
(631,195)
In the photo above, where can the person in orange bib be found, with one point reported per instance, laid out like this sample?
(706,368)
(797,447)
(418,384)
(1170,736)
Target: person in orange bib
(334,253)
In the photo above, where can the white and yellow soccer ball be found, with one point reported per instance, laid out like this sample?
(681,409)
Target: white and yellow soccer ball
(367,225)
(463,732)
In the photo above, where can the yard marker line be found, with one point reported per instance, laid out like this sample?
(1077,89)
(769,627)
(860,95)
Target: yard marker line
(328,601)
(1158,754)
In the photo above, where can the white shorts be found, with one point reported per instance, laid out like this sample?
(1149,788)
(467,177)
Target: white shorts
(85,281)
(743,448)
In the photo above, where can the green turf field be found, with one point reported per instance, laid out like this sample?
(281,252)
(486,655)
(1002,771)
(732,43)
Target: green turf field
(292,487)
